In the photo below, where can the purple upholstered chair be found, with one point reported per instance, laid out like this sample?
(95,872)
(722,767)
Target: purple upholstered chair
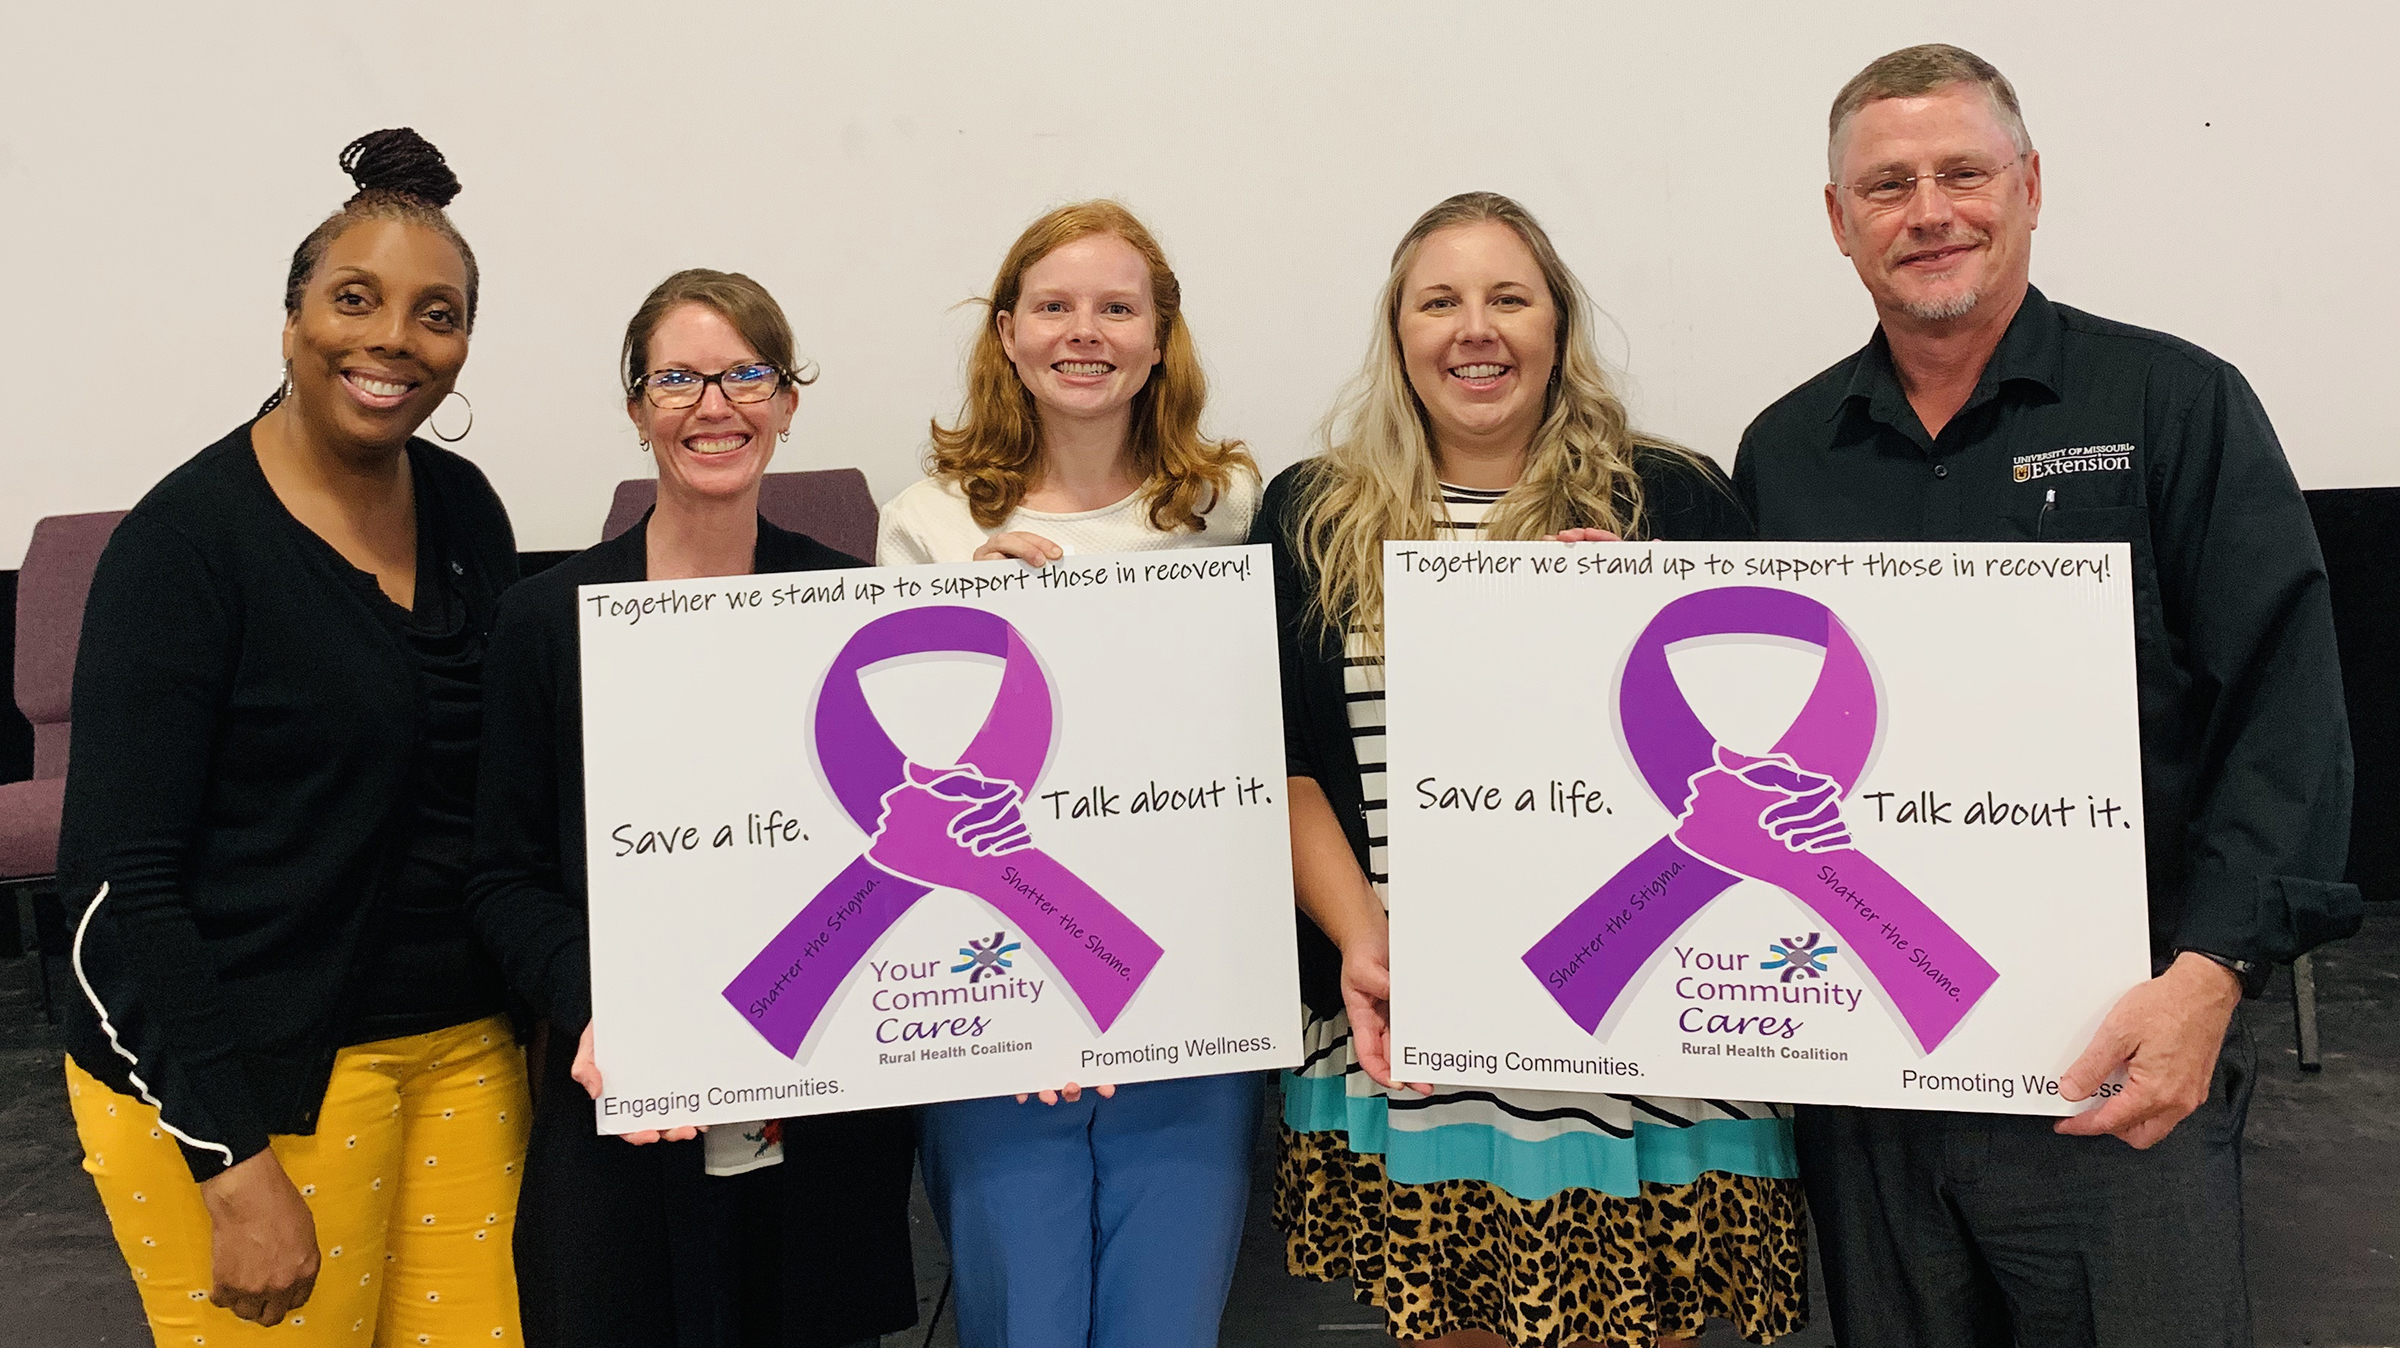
(830,505)
(50,593)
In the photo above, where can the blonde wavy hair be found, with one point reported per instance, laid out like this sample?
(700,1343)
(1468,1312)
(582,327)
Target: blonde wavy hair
(994,452)
(1376,480)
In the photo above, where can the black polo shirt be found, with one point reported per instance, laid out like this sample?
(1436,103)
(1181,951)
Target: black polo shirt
(2081,429)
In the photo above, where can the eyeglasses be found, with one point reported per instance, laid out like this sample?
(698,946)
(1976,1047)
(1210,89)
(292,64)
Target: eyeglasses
(669,390)
(1958,182)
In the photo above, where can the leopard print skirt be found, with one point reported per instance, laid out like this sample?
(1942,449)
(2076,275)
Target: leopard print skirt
(1579,1266)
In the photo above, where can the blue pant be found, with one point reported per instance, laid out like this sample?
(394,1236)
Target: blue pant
(1109,1223)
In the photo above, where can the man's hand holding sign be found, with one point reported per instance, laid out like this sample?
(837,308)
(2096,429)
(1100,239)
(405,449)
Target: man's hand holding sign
(2165,1036)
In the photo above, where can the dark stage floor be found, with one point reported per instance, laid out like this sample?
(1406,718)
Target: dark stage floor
(2322,1187)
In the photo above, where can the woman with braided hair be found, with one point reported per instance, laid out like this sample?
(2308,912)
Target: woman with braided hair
(289,1066)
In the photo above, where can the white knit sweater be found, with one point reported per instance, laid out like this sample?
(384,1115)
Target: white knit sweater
(930,522)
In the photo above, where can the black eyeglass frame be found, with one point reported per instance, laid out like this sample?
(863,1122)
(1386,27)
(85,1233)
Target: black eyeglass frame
(643,388)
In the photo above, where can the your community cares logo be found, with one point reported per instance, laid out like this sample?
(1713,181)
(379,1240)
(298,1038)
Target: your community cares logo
(1799,957)
(986,959)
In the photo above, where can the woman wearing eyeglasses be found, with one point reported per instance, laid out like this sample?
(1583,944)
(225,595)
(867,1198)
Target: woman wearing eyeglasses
(657,1239)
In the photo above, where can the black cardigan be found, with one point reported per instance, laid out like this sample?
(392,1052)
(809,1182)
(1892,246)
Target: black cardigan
(528,892)
(594,1229)
(1681,501)
(247,715)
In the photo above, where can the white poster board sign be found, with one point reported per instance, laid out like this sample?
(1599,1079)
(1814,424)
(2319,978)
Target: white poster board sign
(881,837)
(1823,823)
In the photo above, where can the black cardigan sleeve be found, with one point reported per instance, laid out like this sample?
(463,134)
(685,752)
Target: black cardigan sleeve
(152,675)
(517,887)
(1278,513)
(1316,726)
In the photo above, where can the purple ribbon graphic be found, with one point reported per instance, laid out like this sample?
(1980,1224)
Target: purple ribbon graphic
(954,829)
(1771,819)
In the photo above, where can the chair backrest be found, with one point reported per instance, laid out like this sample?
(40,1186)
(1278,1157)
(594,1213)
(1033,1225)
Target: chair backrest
(830,505)
(50,592)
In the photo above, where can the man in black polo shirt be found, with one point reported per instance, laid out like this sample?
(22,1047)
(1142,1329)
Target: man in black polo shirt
(1981,410)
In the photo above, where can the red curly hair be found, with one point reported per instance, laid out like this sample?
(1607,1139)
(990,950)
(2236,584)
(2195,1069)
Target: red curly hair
(994,451)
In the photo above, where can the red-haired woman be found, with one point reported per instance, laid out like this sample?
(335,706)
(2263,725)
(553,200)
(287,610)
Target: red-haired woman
(1108,1217)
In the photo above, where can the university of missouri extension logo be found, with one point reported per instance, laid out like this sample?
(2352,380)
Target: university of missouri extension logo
(2081,459)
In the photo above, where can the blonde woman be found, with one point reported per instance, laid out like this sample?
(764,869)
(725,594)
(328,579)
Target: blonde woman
(1474,1217)
(1108,1217)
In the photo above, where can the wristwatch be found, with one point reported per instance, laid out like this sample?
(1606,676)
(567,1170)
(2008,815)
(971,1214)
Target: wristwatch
(2252,973)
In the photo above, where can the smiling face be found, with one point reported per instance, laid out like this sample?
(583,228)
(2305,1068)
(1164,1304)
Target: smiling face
(1934,259)
(714,449)
(380,334)
(1479,336)
(1084,331)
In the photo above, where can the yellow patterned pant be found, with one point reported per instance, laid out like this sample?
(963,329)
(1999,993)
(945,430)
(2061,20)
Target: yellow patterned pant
(411,1175)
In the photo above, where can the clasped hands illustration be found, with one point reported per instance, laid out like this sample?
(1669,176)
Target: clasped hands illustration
(1758,817)
(1753,816)
(937,822)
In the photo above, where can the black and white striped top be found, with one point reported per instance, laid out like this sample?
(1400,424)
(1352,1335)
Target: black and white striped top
(1465,509)
(1331,1091)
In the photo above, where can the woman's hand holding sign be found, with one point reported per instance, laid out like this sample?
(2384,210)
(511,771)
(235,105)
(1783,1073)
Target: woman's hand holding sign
(586,1071)
(1335,894)
(1030,548)
(1367,997)
(1069,1093)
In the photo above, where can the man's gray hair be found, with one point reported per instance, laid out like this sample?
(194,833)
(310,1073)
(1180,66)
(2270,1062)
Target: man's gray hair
(1913,72)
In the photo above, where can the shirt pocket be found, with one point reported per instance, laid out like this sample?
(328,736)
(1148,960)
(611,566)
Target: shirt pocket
(2096,524)
(2161,680)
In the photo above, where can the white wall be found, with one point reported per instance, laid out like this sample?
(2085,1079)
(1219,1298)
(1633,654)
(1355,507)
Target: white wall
(2220,170)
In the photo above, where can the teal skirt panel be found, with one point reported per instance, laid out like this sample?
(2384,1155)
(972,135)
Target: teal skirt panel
(1657,1153)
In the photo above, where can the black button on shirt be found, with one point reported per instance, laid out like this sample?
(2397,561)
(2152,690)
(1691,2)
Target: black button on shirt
(2081,429)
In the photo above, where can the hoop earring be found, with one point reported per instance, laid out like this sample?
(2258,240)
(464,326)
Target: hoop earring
(645,446)
(783,437)
(435,431)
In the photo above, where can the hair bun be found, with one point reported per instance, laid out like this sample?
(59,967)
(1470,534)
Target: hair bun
(401,162)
